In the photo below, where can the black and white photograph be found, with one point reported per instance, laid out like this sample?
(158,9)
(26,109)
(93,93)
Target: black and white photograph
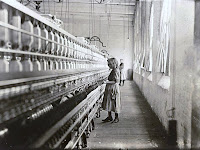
(99,74)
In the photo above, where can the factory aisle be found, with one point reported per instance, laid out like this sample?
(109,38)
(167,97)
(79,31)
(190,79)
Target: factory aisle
(138,126)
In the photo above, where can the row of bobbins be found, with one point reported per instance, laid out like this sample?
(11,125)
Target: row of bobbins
(39,38)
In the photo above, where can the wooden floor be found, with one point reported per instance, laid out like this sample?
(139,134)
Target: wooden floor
(138,127)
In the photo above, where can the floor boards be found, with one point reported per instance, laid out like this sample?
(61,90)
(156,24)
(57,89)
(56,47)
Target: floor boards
(138,127)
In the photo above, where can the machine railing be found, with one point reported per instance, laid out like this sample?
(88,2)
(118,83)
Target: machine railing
(51,83)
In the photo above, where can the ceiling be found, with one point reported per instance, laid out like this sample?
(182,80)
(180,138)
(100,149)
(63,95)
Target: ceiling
(116,12)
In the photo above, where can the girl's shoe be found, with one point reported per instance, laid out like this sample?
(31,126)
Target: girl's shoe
(108,119)
(116,120)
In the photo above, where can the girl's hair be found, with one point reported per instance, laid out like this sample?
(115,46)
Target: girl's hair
(113,62)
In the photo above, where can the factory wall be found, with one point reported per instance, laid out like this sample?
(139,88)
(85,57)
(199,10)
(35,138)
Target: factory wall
(164,62)
(196,86)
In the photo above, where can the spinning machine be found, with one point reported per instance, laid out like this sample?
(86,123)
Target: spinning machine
(51,83)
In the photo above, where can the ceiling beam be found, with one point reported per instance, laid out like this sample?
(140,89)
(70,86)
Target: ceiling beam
(96,20)
(96,3)
(95,13)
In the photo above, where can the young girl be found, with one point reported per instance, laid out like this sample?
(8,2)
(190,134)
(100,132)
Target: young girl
(111,101)
(122,73)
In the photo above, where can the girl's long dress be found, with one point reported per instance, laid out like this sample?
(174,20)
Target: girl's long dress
(111,100)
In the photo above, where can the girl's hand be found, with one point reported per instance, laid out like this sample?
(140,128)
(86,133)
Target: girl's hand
(104,82)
